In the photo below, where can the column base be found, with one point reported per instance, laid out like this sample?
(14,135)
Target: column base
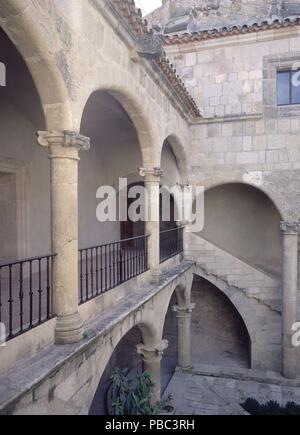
(184,368)
(155,276)
(69,329)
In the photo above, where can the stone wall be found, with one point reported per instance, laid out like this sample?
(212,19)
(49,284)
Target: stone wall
(243,134)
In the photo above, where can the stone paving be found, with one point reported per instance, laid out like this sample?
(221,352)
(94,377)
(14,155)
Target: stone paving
(199,394)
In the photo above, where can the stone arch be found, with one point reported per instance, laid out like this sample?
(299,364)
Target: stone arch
(19,22)
(271,194)
(180,154)
(135,111)
(116,152)
(182,291)
(250,217)
(257,318)
(148,334)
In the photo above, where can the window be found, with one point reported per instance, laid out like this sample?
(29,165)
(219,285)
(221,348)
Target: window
(288,87)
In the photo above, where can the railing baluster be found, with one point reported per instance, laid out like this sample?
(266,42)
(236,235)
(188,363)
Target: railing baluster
(10,301)
(21,295)
(171,243)
(126,277)
(132,261)
(17,279)
(30,296)
(115,266)
(101,260)
(112,265)
(40,291)
(97,271)
(48,289)
(81,276)
(87,275)
(92,272)
(105,267)
(120,252)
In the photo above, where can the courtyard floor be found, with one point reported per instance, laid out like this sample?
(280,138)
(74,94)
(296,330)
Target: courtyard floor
(205,390)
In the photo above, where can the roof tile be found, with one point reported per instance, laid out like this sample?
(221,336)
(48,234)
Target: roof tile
(139,27)
(185,38)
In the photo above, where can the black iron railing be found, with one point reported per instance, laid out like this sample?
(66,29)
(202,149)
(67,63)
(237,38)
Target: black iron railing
(171,243)
(25,294)
(102,268)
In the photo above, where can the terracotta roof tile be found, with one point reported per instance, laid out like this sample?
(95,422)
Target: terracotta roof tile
(185,38)
(139,27)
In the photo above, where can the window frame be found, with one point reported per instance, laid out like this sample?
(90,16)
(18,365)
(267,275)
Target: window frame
(284,71)
(272,64)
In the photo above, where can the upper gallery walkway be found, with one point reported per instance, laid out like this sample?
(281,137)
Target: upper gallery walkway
(26,287)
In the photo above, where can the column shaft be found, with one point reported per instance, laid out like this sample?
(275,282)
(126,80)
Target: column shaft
(152,184)
(152,357)
(289,297)
(184,316)
(64,147)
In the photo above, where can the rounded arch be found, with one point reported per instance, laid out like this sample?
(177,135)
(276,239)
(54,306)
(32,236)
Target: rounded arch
(20,24)
(269,193)
(182,290)
(136,113)
(180,154)
(238,218)
(122,354)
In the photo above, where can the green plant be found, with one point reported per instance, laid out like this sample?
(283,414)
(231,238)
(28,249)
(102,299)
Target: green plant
(253,407)
(132,396)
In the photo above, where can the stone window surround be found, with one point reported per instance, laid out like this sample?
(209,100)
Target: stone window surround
(11,166)
(271,65)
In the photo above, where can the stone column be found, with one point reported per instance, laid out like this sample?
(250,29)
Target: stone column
(152,179)
(290,232)
(184,316)
(64,147)
(152,357)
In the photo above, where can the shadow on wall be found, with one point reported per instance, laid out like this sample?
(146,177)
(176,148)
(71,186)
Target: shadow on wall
(219,335)
(125,356)
(244,222)
(170,357)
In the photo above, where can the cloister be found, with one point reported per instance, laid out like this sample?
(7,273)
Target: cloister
(88,100)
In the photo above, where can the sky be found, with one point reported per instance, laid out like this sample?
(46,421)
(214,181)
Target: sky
(148,6)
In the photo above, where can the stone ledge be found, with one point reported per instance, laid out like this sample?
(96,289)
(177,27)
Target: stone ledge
(31,374)
(240,374)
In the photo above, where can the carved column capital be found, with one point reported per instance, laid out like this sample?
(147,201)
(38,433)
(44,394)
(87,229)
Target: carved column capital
(66,139)
(152,353)
(290,228)
(155,173)
(184,311)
